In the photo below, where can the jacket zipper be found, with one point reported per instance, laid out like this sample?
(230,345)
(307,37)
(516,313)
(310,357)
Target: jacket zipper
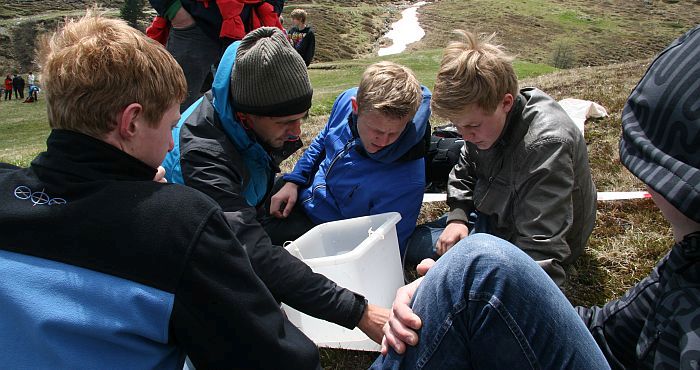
(345,150)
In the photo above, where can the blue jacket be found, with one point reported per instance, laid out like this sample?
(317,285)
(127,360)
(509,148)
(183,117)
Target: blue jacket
(340,180)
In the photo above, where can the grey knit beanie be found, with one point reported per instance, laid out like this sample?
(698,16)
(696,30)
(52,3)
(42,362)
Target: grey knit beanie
(660,141)
(269,77)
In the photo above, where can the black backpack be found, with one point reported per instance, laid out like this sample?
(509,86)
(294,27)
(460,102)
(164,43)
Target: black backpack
(443,154)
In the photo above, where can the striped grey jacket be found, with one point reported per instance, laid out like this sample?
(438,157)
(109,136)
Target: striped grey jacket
(656,324)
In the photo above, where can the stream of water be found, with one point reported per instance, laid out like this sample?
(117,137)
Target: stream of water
(404,31)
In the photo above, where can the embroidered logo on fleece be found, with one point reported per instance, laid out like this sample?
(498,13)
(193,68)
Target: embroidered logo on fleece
(37,197)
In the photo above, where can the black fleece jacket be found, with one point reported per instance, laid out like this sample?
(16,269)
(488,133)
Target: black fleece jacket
(113,219)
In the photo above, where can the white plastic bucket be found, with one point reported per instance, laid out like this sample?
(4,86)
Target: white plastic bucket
(360,254)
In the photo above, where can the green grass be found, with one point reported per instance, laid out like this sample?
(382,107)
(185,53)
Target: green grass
(23,130)
(330,79)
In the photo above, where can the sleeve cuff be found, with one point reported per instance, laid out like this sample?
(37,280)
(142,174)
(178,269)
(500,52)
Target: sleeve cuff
(291,177)
(458,214)
(357,311)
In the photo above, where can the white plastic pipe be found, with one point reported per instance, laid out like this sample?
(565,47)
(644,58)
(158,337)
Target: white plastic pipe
(602,195)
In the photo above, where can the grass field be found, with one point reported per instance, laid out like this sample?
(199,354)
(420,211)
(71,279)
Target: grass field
(23,130)
(331,78)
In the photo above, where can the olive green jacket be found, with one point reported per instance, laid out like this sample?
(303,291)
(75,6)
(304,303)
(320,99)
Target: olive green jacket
(534,184)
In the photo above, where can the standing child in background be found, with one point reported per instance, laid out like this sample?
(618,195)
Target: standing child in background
(30,80)
(8,87)
(302,36)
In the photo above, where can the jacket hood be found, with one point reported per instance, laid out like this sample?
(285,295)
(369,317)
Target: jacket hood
(412,139)
(257,159)
(222,82)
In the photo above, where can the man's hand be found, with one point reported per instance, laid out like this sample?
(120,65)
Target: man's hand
(372,321)
(454,232)
(182,19)
(285,197)
(160,175)
(401,328)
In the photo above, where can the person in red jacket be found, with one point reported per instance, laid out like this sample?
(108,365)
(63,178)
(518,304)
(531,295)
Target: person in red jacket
(8,87)
(197,32)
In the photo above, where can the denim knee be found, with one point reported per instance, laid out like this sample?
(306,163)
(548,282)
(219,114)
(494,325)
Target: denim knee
(482,246)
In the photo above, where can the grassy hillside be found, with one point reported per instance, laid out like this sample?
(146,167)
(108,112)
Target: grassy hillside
(589,32)
(584,33)
(22,21)
(593,32)
(344,29)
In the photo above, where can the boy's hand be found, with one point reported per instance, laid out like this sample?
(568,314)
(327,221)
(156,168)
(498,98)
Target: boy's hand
(281,204)
(424,266)
(373,320)
(401,328)
(453,233)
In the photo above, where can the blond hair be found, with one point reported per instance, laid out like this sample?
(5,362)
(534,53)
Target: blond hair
(390,89)
(299,14)
(472,71)
(94,67)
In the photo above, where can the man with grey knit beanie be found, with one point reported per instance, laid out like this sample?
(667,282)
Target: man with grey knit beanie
(267,79)
(228,145)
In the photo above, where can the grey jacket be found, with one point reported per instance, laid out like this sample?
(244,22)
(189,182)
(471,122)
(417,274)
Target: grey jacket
(656,324)
(534,184)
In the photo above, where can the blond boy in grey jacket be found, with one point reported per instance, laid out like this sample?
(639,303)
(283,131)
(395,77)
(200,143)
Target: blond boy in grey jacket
(524,168)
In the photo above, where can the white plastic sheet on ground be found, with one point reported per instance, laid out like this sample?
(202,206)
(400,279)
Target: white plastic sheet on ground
(580,110)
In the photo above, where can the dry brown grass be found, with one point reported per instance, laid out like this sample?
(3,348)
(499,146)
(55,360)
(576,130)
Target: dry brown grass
(629,236)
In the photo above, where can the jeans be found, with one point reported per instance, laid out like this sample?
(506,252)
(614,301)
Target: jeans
(421,244)
(487,305)
(196,53)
